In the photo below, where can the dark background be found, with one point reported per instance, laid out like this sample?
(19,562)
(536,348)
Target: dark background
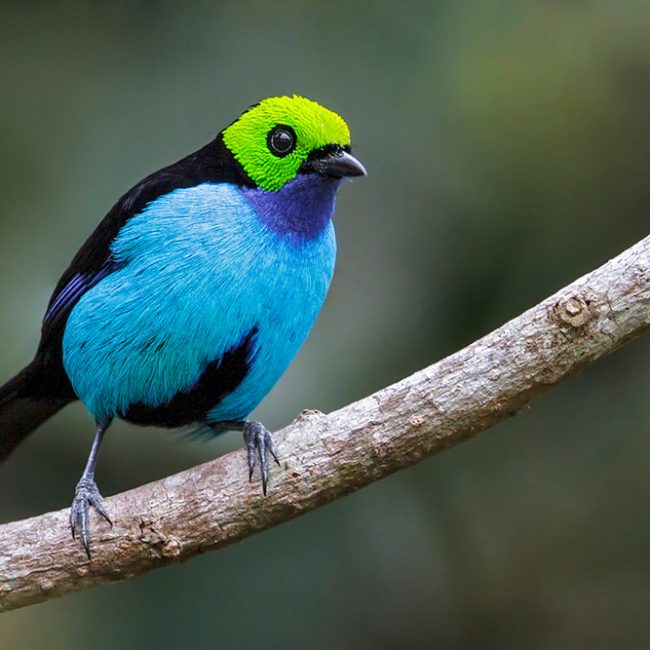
(508,153)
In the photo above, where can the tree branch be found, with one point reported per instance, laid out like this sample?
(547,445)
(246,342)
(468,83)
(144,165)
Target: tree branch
(327,456)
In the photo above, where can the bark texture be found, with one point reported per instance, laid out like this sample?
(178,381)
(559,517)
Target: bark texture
(327,456)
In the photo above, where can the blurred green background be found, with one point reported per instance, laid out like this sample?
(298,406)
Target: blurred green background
(508,150)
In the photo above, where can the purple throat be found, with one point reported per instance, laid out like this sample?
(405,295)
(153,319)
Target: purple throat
(300,210)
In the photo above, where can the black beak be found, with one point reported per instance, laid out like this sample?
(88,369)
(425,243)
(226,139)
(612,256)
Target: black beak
(335,162)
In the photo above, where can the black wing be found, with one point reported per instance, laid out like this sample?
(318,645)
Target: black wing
(93,262)
(213,163)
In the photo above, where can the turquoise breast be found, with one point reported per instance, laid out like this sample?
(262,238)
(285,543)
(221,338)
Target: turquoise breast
(197,271)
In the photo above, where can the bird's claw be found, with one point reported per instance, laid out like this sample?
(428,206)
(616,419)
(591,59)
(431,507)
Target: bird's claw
(86,494)
(259,443)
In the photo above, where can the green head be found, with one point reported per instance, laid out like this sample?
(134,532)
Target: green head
(281,136)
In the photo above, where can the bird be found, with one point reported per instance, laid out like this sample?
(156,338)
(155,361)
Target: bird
(190,299)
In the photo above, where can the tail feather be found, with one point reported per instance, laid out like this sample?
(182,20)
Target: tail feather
(24,406)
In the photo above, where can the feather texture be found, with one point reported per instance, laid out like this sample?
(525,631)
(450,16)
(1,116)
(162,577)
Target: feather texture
(197,270)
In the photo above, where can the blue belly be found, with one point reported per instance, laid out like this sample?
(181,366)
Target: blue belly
(199,273)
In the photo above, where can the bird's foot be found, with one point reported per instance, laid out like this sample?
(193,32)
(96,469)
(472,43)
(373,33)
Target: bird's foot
(86,494)
(259,443)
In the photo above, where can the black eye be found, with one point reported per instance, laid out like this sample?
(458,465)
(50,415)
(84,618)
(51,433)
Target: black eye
(281,140)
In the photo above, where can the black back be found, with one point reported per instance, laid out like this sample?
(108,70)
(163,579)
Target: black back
(212,163)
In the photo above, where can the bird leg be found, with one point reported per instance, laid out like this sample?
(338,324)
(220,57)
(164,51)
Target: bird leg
(259,444)
(87,494)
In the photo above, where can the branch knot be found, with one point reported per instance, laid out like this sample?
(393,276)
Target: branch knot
(574,310)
